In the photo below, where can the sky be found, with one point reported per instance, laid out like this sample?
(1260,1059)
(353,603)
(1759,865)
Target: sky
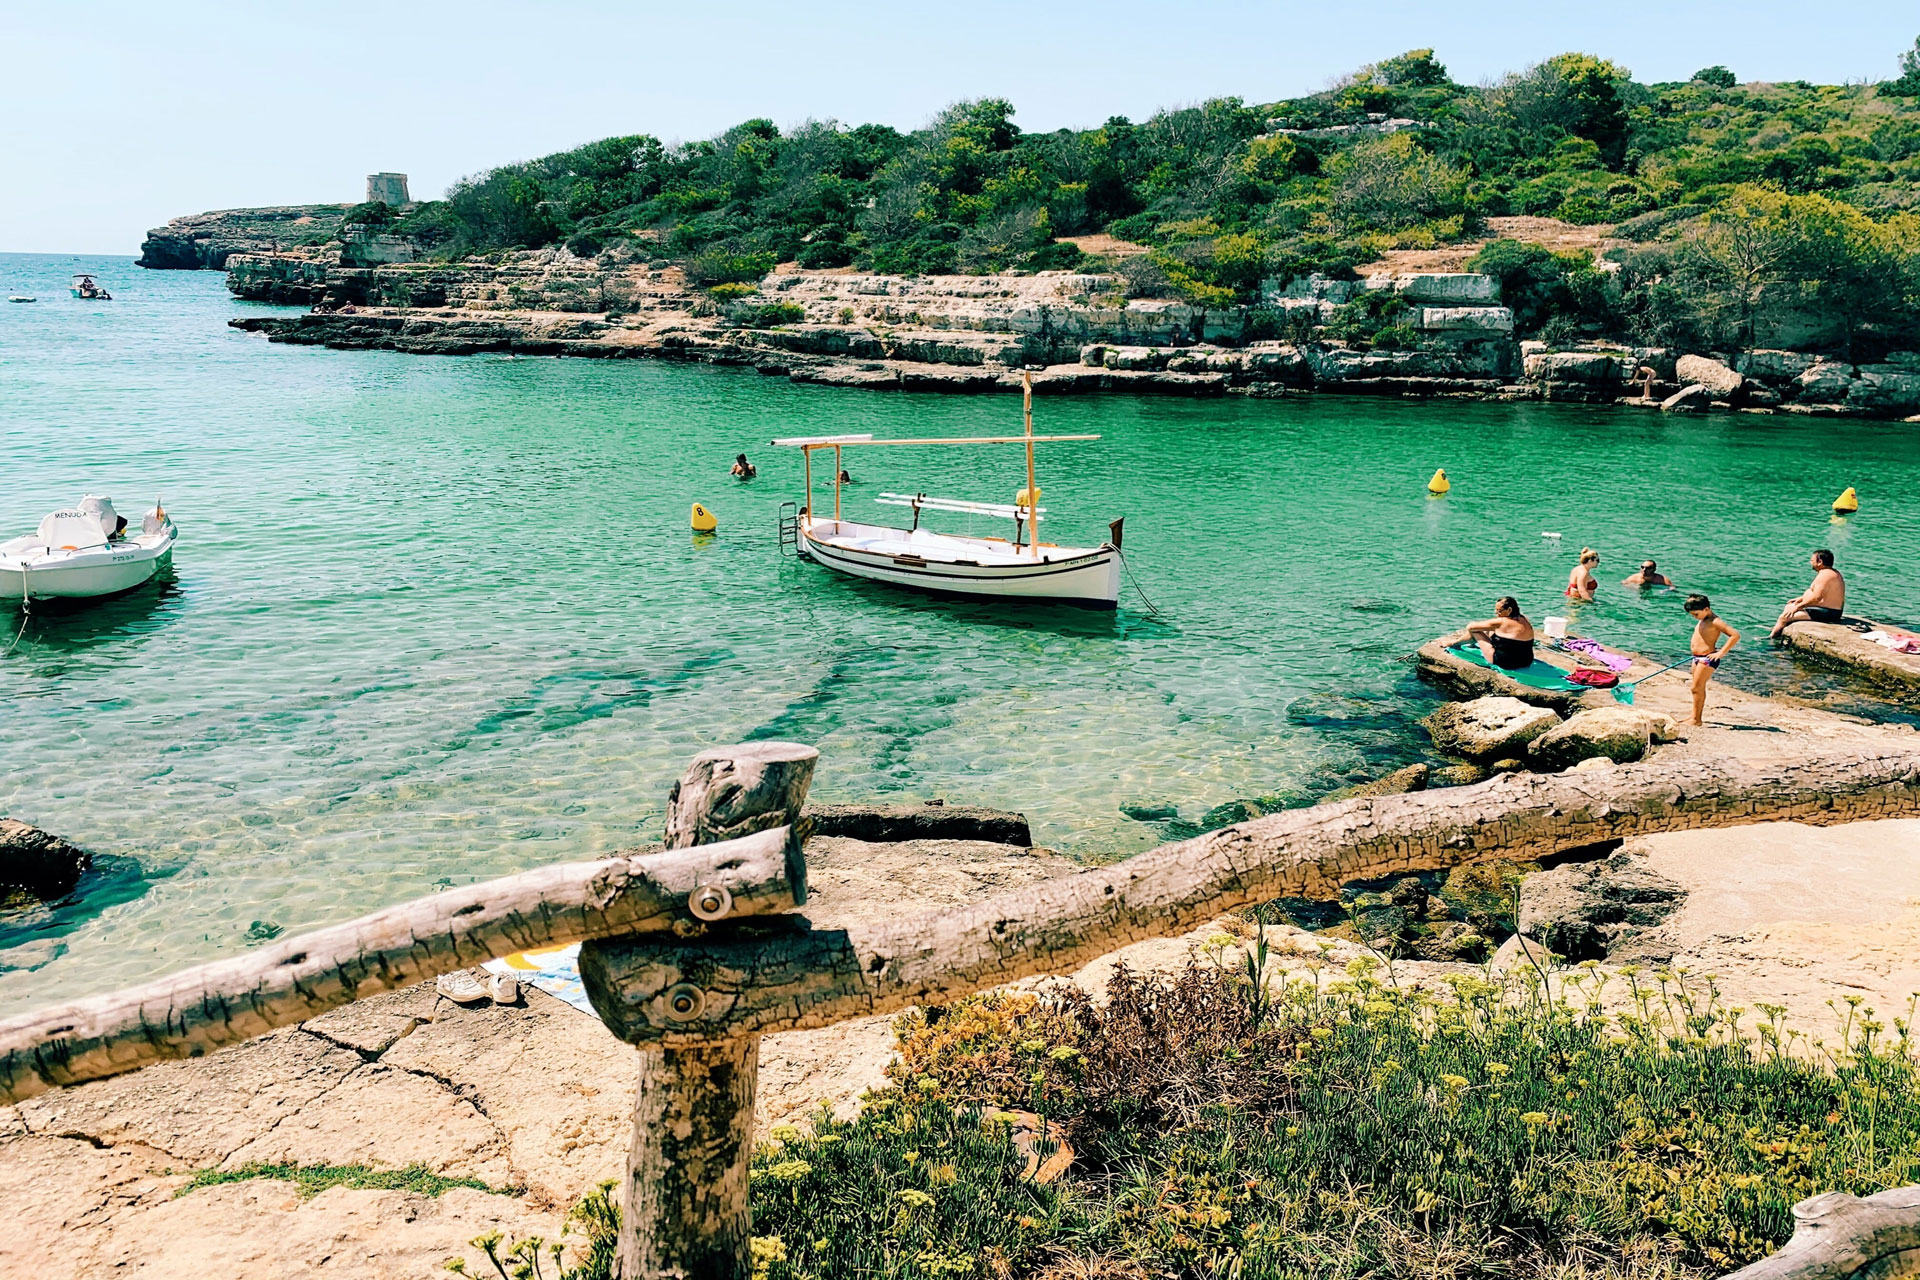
(115,117)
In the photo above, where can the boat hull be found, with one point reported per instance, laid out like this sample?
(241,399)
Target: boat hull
(1086,577)
(105,575)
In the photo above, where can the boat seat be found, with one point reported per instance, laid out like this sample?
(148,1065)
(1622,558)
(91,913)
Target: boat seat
(71,529)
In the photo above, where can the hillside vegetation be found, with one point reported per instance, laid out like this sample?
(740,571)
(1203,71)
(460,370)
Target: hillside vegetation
(1741,198)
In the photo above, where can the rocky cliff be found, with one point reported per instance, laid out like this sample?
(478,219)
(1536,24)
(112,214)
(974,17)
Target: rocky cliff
(204,241)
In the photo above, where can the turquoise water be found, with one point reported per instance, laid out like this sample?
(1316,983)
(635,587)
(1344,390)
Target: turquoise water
(435,619)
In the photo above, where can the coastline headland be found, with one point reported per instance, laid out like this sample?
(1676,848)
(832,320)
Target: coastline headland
(973,333)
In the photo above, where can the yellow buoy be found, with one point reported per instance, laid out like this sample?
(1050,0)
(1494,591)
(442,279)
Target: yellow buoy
(1439,483)
(1020,499)
(703,521)
(1847,502)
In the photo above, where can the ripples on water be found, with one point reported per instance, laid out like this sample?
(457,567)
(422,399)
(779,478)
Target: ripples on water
(436,619)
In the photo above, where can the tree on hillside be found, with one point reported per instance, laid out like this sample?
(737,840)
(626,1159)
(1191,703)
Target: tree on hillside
(1718,77)
(1909,79)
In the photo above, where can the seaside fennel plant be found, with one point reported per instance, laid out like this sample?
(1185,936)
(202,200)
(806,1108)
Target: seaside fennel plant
(1231,1119)
(1224,1121)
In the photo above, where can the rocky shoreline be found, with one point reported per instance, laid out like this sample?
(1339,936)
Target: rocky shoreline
(978,333)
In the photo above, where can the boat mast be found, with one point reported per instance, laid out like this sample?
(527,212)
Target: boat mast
(836,483)
(807,467)
(1033,494)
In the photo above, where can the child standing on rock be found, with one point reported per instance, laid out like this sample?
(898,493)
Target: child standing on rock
(1706,648)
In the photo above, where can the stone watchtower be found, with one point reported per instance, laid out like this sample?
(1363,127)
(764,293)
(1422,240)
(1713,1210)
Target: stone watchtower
(388,188)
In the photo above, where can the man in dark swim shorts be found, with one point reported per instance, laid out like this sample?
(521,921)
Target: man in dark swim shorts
(1824,601)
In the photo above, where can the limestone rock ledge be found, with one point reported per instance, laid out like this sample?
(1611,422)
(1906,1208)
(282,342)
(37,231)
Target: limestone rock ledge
(204,241)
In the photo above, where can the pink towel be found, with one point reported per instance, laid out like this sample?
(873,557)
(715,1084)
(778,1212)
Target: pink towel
(1614,662)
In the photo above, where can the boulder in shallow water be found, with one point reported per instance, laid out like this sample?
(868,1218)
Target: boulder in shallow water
(1721,382)
(1399,782)
(1622,734)
(37,863)
(1488,728)
(1692,398)
(1459,775)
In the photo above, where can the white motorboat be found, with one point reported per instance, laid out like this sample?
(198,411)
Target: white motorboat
(86,287)
(1024,568)
(84,552)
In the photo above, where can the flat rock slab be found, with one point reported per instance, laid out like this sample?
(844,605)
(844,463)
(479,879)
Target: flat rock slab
(1446,670)
(893,823)
(1836,645)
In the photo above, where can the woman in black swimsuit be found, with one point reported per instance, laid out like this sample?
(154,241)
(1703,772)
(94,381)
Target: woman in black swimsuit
(1506,639)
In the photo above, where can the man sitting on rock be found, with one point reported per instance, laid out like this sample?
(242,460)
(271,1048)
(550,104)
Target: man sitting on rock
(1824,601)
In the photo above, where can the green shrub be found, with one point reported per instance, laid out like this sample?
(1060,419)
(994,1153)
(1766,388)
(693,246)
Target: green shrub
(731,291)
(771,314)
(313,1179)
(725,266)
(1343,1126)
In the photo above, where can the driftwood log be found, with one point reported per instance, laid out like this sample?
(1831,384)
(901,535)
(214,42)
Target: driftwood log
(686,1213)
(1840,1237)
(778,975)
(194,1012)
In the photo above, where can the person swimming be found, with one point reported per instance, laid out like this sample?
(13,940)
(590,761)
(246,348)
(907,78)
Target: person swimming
(1506,639)
(1649,576)
(1581,584)
(1706,650)
(744,469)
(844,477)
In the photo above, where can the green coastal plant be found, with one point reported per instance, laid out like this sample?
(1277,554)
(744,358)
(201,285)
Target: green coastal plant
(1343,1124)
(313,1179)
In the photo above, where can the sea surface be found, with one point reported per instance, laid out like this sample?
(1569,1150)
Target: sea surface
(439,619)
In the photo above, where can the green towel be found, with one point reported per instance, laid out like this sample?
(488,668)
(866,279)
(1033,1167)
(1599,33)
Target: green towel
(1541,675)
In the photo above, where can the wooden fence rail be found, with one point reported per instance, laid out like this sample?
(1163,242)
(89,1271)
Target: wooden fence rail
(688,956)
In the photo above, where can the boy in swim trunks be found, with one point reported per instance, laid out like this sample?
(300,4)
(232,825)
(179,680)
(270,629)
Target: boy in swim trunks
(1706,649)
(1824,601)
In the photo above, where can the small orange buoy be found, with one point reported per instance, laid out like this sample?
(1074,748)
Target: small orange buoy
(703,520)
(1847,503)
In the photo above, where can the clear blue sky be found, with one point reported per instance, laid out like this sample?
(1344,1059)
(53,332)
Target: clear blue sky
(115,117)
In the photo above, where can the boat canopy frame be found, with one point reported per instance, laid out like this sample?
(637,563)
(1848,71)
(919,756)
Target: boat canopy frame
(1020,512)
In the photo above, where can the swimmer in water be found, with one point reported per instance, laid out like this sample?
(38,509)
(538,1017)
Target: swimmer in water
(1649,576)
(1581,584)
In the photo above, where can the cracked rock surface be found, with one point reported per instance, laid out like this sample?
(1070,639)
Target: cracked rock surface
(534,1099)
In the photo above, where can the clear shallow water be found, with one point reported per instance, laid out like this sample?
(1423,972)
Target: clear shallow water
(436,619)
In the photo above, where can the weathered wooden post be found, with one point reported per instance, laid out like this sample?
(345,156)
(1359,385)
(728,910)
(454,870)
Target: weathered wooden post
(685,1206)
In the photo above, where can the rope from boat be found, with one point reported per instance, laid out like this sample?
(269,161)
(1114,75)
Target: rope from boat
(24,610)
(1134,582)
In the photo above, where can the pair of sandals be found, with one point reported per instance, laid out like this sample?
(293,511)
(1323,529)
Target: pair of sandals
(471,986)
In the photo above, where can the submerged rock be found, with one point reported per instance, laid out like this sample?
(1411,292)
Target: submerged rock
(1488,728)
(1399,782)
(38,864)
(1621,734)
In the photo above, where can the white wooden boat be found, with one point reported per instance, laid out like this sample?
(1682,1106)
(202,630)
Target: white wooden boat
(79,553)
(1023,568)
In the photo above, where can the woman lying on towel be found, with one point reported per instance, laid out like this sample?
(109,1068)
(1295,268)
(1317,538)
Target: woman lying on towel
(1505,640)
